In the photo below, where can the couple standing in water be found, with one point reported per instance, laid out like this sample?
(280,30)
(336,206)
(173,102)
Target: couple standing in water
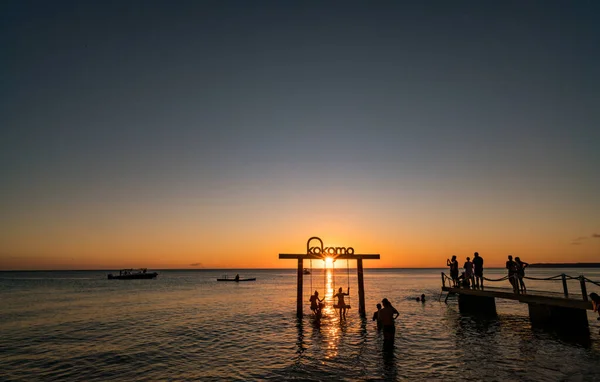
(316,304)
(386,320)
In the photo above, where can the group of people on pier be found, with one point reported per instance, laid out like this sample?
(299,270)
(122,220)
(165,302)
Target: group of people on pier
(472,276)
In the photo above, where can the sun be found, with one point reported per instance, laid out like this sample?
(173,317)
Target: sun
(328,262)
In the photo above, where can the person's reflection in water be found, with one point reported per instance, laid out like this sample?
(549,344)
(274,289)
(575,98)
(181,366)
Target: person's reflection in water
(300,343)
(390,371)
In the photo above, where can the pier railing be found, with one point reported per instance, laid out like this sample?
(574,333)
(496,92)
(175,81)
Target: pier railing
(561,277)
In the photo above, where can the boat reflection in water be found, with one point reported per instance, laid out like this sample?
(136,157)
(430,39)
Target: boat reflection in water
(133,274)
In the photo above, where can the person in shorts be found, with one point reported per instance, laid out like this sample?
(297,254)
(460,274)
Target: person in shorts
(478,269)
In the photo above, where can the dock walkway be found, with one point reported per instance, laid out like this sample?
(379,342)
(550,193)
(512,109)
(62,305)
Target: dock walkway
(561,311)
(532,296)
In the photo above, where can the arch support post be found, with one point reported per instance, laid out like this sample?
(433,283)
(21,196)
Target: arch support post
(361,288)
(299,291)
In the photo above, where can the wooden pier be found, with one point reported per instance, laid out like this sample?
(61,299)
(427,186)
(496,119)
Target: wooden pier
(561,311)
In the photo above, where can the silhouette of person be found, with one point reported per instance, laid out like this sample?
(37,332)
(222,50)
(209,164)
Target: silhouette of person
(237,277)
(478,272)
(376,316)
(464,281)
(469,270)
(387,315)
(423,298)
(315,303)
(521,265)
(512,273)
(341,304)
(453,270)
(595,303)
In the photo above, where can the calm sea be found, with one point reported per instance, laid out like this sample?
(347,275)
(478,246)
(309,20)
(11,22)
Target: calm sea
(187,326)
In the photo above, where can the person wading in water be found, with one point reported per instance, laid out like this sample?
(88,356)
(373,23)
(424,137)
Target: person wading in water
(387,315)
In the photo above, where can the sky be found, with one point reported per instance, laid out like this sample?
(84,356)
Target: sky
(218,134)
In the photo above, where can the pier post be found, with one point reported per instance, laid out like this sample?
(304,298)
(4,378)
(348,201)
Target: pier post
(299,291)
(571,320)
(583,288)
(361,288)
(476,304)
(565,288)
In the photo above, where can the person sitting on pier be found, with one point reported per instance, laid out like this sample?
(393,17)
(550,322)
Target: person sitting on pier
(315,303)
(376,317)
(469,270)
(595,303)
(341,305)
(388,315)
(512,273)
(521,265)
(478,265)
(453,270)
(237,277)
(464,281)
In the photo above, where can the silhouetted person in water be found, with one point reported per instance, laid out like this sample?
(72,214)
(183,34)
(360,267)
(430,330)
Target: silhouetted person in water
(595,303)
(423,298)
(376,317)
(315,303)
(387,315)
(521,265)
(453,270)
(237,277)
(341,304)
(478,269)
(512,273)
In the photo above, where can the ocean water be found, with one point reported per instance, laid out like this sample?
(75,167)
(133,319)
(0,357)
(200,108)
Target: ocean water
(187,326)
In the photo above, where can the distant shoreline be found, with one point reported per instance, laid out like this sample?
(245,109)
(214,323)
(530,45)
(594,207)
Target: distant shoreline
(565,265)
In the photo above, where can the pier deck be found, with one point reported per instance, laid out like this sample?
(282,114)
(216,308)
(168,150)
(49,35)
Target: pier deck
(532,296)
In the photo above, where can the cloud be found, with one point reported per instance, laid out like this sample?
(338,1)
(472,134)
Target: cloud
(578,240)
(197,265)
(596,235)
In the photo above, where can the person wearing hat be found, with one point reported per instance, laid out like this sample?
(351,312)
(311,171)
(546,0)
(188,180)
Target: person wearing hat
(387,315)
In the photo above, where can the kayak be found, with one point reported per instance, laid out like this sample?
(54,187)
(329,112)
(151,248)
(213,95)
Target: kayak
(234,280)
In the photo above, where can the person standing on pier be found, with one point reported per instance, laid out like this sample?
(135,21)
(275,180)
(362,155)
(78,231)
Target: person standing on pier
(478,265)
(387,315)
(521,265)
(453,270)
(512,273)
(469,271)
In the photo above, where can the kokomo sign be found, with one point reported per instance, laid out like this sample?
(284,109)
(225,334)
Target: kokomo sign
(327,251)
